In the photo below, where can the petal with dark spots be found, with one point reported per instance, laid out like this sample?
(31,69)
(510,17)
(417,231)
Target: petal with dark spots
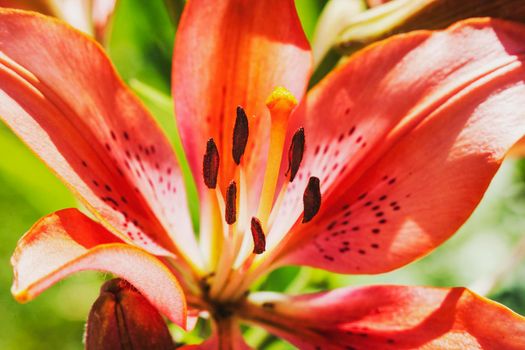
(389,317)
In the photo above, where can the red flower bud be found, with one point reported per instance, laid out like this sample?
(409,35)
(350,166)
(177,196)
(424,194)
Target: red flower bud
(121,318)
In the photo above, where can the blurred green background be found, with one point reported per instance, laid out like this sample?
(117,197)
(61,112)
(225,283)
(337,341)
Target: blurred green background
(484,255)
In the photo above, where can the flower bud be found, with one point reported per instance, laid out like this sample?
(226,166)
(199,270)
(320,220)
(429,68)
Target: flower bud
(121,318)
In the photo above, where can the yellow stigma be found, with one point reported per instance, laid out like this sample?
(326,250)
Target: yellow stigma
(281,101)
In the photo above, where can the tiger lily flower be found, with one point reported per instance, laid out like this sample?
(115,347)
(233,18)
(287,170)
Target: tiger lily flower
(375,167)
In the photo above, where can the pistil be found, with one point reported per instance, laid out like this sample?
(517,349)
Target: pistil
(280,104)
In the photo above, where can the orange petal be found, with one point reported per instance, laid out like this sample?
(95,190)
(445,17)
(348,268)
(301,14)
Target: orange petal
(61,95)
(67,241)
(390,317)
(228,54)
(412,132)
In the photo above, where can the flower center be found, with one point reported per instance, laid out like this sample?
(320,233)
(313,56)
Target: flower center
(237,236)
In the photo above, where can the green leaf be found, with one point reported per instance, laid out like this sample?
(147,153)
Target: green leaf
(141,41)
(27,174)
(309,11)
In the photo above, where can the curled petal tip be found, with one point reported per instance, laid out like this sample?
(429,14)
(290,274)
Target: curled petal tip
(21,296)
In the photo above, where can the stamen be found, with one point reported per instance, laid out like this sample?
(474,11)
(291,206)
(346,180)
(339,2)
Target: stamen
(311,199)
(295,154)
(231,203)
(210,164)
(259,240)
(280,104)
(240,135)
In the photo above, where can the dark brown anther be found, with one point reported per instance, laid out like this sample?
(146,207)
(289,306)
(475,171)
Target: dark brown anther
(311,199)
(295,153)
(259,240)
(210,164)
(240,135)
(231,203)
